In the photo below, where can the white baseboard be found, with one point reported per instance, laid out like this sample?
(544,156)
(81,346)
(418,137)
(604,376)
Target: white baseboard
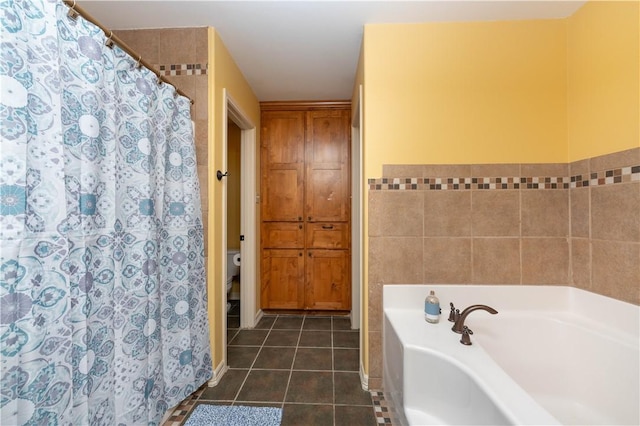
(258,317)
(364,378)
(217,374)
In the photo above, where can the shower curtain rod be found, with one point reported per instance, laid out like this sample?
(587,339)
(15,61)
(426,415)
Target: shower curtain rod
(75,10)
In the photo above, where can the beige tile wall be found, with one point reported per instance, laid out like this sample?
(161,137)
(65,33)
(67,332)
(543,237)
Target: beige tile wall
(182,48)
(564,234)
(605,227)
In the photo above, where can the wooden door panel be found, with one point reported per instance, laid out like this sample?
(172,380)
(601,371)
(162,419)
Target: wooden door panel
(327,182)
(333,235)
(282,194)
(327,137)
(283,137)
(282,235)
(282,165)
(327,280)
(282,283)
(327,198)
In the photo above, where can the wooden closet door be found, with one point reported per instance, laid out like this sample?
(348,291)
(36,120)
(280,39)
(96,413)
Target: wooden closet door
(282,282)
(305,208)
(328,280)
(282,171)
(327,166)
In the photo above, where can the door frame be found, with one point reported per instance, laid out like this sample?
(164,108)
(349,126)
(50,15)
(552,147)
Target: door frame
(357,211)
(357,231)
(248,213)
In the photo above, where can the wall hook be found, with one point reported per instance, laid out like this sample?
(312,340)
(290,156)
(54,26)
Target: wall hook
(220,175)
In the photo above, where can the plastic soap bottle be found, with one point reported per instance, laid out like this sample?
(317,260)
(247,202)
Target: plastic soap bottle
(432,308)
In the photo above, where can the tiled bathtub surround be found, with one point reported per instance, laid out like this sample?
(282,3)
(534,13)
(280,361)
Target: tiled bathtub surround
(551,224)
(605,226)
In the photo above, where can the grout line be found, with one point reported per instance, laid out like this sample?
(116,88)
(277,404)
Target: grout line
(333,371)
(293,361)
(333,406)
(251,366)
(520,244)
(333,378)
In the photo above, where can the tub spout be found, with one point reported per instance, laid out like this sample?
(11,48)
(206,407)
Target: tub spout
(458,326)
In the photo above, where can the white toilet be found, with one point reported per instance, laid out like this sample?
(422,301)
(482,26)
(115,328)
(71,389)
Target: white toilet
(233,269)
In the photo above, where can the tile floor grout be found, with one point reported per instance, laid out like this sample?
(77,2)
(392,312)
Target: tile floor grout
(350,413)
(333,370)
(293,361)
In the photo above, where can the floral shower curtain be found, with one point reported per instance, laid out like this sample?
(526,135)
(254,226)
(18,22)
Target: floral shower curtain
(102,284)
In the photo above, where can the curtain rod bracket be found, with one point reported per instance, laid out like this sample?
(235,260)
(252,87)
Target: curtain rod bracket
(109,42)
(73,13)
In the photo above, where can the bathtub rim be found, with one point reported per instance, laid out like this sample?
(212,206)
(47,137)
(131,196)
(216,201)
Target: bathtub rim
(611,313)
(507,395)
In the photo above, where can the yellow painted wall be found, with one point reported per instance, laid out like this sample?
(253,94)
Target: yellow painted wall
(223,74)
(478,92)
(500,92)
(603,78)
(465,92)
(233,191)
(233,185)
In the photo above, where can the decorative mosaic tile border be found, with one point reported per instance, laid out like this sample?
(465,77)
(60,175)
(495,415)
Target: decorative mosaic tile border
(383,409)
(607,177)
(424,184)
(182,69)
(182,411)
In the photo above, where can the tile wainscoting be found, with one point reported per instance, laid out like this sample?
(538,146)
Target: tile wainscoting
(549,224)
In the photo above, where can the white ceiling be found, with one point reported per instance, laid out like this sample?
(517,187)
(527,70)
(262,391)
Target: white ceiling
(306,50)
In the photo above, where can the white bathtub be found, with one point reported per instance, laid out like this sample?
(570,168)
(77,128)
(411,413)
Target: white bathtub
(552,355)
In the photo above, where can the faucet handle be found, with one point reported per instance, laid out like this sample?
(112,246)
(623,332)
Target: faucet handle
(452,314)
(465,339)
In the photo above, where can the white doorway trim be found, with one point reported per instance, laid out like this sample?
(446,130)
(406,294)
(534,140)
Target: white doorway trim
(356,215)
(357,230)
(248,214)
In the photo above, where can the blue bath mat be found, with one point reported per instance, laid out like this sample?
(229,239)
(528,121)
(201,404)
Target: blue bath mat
(237,415)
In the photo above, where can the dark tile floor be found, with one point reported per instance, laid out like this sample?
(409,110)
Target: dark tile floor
(305,364)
